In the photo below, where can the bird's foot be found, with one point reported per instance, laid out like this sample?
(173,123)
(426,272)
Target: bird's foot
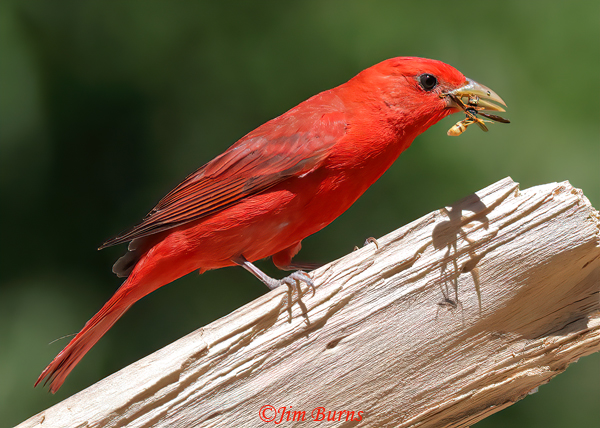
(292,281)
(368,241)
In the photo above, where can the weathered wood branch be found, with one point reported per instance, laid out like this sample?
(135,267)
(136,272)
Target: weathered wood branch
(454,317)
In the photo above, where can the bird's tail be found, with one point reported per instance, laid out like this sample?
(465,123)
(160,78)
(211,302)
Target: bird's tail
(148,274)
(94,329)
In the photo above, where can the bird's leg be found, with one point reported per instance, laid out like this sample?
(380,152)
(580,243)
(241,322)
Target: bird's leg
(292,281)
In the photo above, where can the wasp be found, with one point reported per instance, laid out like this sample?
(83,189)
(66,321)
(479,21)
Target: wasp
(471,110)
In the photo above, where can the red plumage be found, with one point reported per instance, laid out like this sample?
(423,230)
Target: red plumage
(277,185)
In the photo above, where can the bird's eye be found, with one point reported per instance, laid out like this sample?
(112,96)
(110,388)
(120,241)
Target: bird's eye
(428,81)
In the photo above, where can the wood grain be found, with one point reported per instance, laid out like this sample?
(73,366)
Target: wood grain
(451,318)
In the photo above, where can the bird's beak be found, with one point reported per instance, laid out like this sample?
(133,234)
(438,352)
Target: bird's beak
(475,94)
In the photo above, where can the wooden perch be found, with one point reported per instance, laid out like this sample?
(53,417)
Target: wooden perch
(452,318)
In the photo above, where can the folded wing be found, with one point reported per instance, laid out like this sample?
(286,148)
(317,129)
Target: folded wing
(288,146)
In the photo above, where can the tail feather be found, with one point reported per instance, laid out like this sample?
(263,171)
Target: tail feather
(94,329)
(144,275)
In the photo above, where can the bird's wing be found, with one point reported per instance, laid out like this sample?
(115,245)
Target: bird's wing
(290,145)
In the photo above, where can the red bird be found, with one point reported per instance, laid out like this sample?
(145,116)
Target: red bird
(282,182)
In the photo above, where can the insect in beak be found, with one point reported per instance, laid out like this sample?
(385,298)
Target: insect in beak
(473,98)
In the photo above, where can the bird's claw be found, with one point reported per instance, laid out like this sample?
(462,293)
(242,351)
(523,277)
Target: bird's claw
(369,240)
(293,281)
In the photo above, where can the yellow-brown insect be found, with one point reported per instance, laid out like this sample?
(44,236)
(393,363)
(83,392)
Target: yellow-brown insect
(461,126)
(470,119)
(471,110)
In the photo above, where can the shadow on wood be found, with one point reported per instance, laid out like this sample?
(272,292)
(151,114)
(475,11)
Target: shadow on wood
(452,318)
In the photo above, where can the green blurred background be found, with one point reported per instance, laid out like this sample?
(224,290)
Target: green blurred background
(105,106)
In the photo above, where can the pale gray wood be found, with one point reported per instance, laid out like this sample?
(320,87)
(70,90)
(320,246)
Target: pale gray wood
(454,317)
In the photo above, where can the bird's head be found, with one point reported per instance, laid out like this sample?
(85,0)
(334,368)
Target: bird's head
(415,93)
